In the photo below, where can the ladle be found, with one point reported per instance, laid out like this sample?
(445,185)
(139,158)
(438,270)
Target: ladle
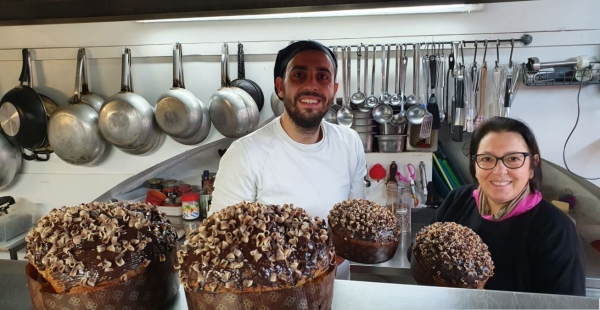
(344,115)
(331,115)
(363,106)
(399,118)
(358,97)
(372,100)
(383,112)
(414,98)
(396,98)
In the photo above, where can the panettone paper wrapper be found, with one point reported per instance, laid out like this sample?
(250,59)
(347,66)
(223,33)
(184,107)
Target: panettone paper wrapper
(361,253)
(423,277)
(149,290)
(316,294)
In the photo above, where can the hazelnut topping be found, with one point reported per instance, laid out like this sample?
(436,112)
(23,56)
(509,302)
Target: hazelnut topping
(365,220)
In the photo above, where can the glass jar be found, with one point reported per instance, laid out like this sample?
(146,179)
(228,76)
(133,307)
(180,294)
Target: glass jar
(171,183)
(190,206)
(399,202)
(156,183)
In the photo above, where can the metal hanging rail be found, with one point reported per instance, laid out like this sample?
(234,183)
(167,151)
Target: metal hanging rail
(525,40)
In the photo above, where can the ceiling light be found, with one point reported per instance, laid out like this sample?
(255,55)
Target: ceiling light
(451,8)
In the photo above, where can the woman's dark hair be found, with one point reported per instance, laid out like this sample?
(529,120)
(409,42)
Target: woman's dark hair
(503,124)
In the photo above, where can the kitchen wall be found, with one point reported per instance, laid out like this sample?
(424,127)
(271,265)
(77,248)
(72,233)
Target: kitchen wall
(560,30)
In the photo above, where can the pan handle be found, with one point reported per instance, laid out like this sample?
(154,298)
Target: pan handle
(84,74)
(181,79)
(177,82)
(126,71)
(35,156)
(79,76)
(225,81)
(26,69)
(241,62)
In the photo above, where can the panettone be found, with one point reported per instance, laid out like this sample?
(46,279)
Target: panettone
(363,231)
(258,254)
(91,247)
(449,254)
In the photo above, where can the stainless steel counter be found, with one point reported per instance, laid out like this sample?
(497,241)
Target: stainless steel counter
(349,295)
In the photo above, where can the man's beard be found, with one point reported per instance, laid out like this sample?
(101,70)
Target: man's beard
(307,119)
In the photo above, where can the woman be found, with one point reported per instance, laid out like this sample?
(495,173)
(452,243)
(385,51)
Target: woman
(533,244)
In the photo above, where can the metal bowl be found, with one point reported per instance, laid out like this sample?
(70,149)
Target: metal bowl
(391,143)
(367,140)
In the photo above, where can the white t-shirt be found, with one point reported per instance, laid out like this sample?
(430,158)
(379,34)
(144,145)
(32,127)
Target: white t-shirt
(269,167)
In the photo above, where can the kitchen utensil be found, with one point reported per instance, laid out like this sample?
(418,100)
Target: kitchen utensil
(471,83)
(24,115)
(126,119)
(441,69)
(391,143)
(411,172)
(459,120)
(391,182)
(383,112)
(512,86)
(390,129)
(73,129)
(483,84)
(361,121)
(179,113)
(364,128)
(248,85)
(363,115)
(363,106)
(228,108)
(10,157)
(399,119)
(499,74)
(372,101)
(367,140)
(344,115)
(432,104)
(426,125)
(396,98)
(358,97)
(377,172)
(414,98)
(534,64)
(331,114)
(423,177)
(277,105)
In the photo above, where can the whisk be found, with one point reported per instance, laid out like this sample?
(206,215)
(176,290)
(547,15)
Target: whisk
(499,74)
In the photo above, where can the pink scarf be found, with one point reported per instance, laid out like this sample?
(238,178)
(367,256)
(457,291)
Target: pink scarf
(526,204)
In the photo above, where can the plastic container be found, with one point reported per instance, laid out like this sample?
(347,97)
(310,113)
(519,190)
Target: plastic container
(190,206)
(14,223)
(155,197)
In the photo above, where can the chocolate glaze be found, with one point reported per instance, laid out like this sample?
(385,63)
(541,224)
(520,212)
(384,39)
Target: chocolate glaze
(85,244)
(454,253)
(265,247)
(364,220)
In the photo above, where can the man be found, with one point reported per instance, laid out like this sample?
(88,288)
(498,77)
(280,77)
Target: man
(297,158)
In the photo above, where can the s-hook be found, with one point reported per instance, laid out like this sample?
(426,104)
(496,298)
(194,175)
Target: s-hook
(512,46)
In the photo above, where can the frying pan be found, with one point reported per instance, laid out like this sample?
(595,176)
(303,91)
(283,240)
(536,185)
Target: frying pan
(179,113)
(248,85)
(73,130)
(126,119)
(24,115)
(10,157)
(232,110)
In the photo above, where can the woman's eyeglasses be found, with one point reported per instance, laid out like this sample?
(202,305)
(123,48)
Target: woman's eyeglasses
(511,161)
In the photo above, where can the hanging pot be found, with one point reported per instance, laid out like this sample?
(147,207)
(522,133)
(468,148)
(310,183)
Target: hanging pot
(10,157)
(73,130)
(232,110)
(179,113)
(248,85)
(126,119)
(24,115)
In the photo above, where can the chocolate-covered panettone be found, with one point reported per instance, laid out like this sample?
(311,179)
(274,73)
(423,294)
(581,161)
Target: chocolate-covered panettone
(363,231)
(88,248)
(452,255)
(258,254)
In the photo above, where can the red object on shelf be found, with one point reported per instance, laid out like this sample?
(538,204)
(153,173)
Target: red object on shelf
(191,196)
(596,245)
(377,172)
(155,197)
